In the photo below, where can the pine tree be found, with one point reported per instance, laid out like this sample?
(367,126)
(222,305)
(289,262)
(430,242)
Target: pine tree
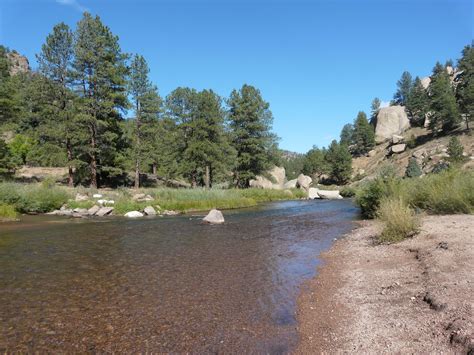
(147,106)
(340,162)
(315,163)
(413,169)
(250,121)
(404,86)
(9,105)
(363,136)
(375,108)
(444,112)
(455,150)
(347,133)
(6,161)
(100,73)
(55,62)
(417,103)
(465,86)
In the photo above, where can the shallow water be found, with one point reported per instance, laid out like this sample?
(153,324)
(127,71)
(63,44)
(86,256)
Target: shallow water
(167,284)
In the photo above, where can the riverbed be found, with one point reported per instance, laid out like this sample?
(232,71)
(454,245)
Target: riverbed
(170,284)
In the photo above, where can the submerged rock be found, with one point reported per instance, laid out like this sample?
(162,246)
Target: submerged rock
(133,214)
(214,217)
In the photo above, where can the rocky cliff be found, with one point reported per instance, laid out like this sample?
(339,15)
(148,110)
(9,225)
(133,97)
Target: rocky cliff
(18,63)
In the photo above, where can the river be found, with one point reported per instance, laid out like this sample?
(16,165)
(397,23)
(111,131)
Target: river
(167,284)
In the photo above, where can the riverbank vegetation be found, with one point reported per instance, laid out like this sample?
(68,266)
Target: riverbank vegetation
(395,200)
(41,198)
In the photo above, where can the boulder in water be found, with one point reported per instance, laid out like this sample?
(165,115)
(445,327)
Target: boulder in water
(133,214)
(214,217)
(149,211)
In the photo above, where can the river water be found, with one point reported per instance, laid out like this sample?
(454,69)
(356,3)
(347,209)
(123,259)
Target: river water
(167,284)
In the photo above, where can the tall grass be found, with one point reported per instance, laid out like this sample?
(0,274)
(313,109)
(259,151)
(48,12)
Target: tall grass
(393,200)
(32,198)
(7,212)
(47,197)
(400,220)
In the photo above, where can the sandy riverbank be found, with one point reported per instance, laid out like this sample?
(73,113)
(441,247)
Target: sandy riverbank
(414,296)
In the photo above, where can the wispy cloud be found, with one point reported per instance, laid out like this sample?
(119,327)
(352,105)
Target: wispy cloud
(74,4)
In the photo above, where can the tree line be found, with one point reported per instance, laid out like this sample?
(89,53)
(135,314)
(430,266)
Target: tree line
(73,112)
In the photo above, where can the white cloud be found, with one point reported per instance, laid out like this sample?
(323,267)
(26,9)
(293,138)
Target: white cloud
(384,104)
(74,4)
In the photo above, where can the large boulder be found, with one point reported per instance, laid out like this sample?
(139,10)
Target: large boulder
(279,175)
(81,197)
(330,194)
(104,211)
(398,148)
(390,120)
(313,193)
(291,184)
(149,211)
(425,82)
(133,214)
(303,181)
(214,217)
(93,210)
(261,182)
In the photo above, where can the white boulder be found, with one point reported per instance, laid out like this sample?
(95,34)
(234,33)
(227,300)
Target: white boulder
(398,148)
(214,217)
(133,214)
(261,182)
(390,120)
(313,193)
(330,194)
(303,181)
(290,184)
(97,196)
(425,82)
(397,139)
(81,197)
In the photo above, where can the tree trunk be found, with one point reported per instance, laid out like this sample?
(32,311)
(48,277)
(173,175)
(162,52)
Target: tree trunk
(137,151)
(207,179)
(70,176)
(93,156)
(193,180)
(153,168)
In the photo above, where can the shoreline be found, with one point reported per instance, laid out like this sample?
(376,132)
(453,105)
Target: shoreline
(413,296)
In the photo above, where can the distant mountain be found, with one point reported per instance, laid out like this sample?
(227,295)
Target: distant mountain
(288,155)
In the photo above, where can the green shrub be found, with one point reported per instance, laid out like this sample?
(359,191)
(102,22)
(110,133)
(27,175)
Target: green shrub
(40,199)
(400,221)
(413,169)
(455,150)
(348,191)
(7,212)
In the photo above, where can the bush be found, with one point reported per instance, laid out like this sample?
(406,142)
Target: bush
(7,212)
(455,150)
(413,169)
(400,220)
(348,191)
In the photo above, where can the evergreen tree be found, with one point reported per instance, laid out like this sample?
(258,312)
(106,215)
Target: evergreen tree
(465,85)
(340,162)
(404,86)
(55,62)
(100,73)
(315,163)
(147,106)
(346,136)
(375,108)
(444,112)
(455,150)
(413,169)
(9,105)
(363,136)
(417,103)
(6,161)
(250,121)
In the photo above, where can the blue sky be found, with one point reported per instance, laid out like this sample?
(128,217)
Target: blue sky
(317,62)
